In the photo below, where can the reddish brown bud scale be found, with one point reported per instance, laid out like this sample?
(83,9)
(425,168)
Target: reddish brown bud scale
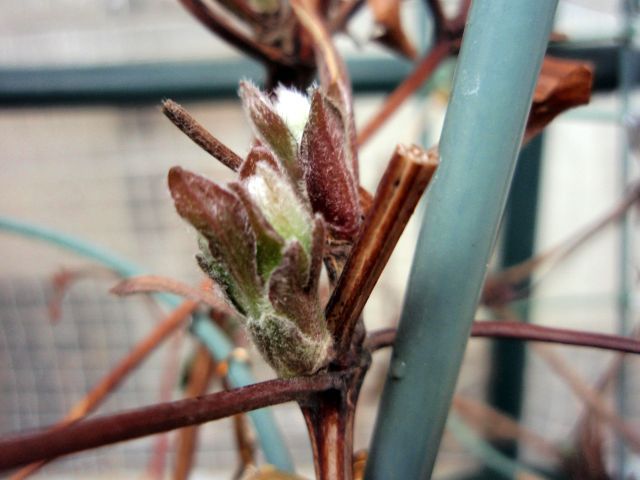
(330,182)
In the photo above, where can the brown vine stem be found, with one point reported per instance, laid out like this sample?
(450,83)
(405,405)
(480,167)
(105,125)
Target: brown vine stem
(95,397)
(525,331)
(182,119)
(522,331)
(562,85)
(199,377)
(399,191)
(589,395)
(224,29)
(330,414)
(97,432)
(409,85)
(448,35)
(157,283)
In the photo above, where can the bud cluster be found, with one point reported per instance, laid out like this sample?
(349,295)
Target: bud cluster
(262,238)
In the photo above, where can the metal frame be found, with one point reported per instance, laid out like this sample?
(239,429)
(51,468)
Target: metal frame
(148,83)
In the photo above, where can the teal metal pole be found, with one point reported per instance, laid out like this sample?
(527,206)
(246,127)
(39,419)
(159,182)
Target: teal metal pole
(210,335)
(499,62)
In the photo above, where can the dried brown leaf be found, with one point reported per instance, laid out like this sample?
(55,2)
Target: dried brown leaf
(156,284)
(63,280)
(562,84)
(387,15)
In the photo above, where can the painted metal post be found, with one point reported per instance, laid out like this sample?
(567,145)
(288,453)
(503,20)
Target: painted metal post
(506,380)
(499,62)
(627,71)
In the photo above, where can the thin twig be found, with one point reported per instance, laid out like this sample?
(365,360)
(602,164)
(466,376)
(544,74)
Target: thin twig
(521,271)
(95,397)
(223,28)
(157,462)
(525,331)
(92,433)
(65,278)
(589,396)
(199,377)
(399,191)
(499,424)
(157,283)
(606,379)
(439,18)
(344,13)
(522,331)
(409,85)
(200,135)
(455,26)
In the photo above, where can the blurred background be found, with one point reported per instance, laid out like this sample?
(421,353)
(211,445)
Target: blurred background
(85,150)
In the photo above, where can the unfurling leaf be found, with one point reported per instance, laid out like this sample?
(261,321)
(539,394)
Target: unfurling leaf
(228,242)
(331,184)
(271,128)
(269,243)
(293,287)
(280,205)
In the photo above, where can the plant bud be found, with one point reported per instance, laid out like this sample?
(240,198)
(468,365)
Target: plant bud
(228,253)
(329,179)
(261,244)
(271,129)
